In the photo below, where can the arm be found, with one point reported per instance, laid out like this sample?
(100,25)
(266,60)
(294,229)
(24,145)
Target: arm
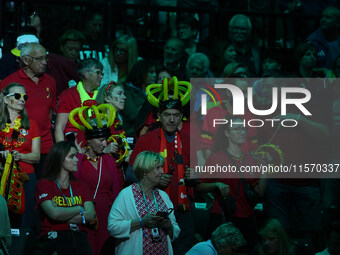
(32,157)
(212,187)
(60,125)
(88,214)
(62,214)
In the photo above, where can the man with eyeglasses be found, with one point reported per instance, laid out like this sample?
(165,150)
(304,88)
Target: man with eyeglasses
(41,91)
(239,33)
(90,72)
(173,145)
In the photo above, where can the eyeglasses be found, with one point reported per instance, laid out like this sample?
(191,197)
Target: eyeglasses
(96,72)
(18,96)
(39,59)
(239,29)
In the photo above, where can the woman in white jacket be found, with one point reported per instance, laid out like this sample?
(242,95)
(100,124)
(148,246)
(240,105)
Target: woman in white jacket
(142,218)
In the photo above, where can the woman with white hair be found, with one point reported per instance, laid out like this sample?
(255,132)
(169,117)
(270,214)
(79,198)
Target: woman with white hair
(224,240)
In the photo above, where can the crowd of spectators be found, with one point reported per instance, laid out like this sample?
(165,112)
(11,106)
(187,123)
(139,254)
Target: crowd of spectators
(41,83)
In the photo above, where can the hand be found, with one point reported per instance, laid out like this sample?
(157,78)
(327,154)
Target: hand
(165,180)
(166,224)
(53,203)
(4,154)
(293,116)
(223,188)
(78,146)
(150,220)
(112,148)
(128,156)
(189,173)
(17,156)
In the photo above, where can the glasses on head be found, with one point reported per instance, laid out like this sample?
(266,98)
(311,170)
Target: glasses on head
(121,51)
(240,130)
(39,59)
(18,96)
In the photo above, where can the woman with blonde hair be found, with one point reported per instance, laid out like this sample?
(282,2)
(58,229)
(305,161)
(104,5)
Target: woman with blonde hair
(122,56)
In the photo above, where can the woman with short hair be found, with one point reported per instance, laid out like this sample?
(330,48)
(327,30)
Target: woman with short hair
(142,218)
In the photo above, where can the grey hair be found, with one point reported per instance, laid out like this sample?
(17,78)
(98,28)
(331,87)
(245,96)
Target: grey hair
(88,64)
(27,48)
(200,56)
(227,234)
(240,16)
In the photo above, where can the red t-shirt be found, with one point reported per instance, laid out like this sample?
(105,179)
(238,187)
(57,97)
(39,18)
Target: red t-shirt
(151,142)
(23,144)
(68,100)
(42,99)
(208,132)
(244,210)
(48,190)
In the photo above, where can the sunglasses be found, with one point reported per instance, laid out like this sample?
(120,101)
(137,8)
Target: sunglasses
(18,96)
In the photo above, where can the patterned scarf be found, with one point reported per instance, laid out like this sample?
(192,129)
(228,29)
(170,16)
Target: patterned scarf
(183,199)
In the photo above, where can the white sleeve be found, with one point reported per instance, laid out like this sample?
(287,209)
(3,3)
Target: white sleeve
(119,220)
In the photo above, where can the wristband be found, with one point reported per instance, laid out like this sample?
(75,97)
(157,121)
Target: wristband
(82,214)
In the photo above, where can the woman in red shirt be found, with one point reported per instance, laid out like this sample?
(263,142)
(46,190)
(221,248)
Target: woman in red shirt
(19,136)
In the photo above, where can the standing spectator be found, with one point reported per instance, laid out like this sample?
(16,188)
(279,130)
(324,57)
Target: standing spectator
(65,203)
(99,171)
(5,228)
(173,144)
(41,89)
(135,218)
(143,73)
(122,57)
(20,136)
(327,38)
(63,68)
(91,73)
(239,34)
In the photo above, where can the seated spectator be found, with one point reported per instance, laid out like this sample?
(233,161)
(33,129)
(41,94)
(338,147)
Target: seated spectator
(96,44)
(90,72)
(234,70)
(122,56)
(63,68)
(326,39)
(10,63)
(5,227)
(188,28)
(272,66)
(222,53)
(274,240)
(198,66)
(174,57)
(226,239)
(239,34)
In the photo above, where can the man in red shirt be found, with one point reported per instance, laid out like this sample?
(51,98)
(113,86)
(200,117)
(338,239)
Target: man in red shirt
(91,74)
(41,90)
(173,145)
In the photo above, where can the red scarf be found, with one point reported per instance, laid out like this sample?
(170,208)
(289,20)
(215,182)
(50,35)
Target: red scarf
(183,199)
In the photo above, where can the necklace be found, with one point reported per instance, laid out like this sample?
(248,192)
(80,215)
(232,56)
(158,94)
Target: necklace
(93,159)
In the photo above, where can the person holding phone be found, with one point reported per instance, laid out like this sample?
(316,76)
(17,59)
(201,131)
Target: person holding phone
(133,218)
